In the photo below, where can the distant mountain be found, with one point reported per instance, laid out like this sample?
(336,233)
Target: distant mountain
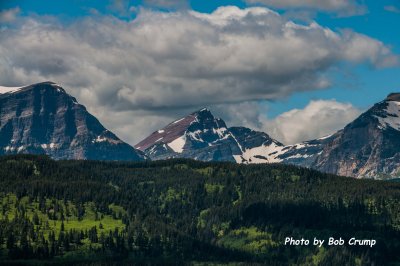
(202,136)
(368,147)
(43,119)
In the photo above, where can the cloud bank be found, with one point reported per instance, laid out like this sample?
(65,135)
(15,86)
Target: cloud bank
(159,64)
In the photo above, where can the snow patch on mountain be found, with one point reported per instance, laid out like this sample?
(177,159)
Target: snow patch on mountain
(326,137)
(261,154)
(48,146)
(12,149)
(178,144)
(4,89)
(177,121)
(100,139)
(196,135)
(392,118)
(220,131)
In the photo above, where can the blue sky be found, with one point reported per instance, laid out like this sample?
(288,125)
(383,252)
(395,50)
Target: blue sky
(359,82)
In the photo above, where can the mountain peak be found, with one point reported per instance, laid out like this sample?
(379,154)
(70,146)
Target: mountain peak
(202,111)
(47,84)
(395,96)
(189,134)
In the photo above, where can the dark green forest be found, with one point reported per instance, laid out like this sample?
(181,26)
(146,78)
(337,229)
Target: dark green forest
(189,212)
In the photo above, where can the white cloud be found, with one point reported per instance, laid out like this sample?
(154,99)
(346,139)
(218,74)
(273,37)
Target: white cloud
(342,7)
(9,15)
(167,64)
(319,118)
(359,45)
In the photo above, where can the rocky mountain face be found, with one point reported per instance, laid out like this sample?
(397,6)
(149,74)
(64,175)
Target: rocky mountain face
(43,119)
(201,136)
(367,147)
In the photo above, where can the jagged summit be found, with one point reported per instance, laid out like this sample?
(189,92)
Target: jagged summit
(202,110)
(176,129)
(203,113)
(195,131)
(43,119)
(202,136)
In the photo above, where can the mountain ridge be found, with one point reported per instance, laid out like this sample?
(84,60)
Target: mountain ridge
(43,118)
(367,147)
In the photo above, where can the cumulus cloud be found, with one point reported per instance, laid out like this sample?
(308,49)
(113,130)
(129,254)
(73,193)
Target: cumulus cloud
(319,118)
(341,7)
(9,15)
(164,64)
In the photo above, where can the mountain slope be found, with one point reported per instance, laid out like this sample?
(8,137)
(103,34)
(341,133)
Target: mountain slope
(255,146)
(43,119)
(367,147)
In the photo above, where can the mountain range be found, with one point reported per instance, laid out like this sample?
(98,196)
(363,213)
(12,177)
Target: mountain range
(367,147)
(44,119)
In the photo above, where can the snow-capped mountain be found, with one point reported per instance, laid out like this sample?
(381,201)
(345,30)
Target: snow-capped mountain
(43,119)
(201,136)
(367,147)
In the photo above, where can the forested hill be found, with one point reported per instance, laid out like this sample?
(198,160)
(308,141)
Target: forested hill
(184,211)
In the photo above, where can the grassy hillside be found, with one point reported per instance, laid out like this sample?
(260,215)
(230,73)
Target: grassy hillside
(183,211)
